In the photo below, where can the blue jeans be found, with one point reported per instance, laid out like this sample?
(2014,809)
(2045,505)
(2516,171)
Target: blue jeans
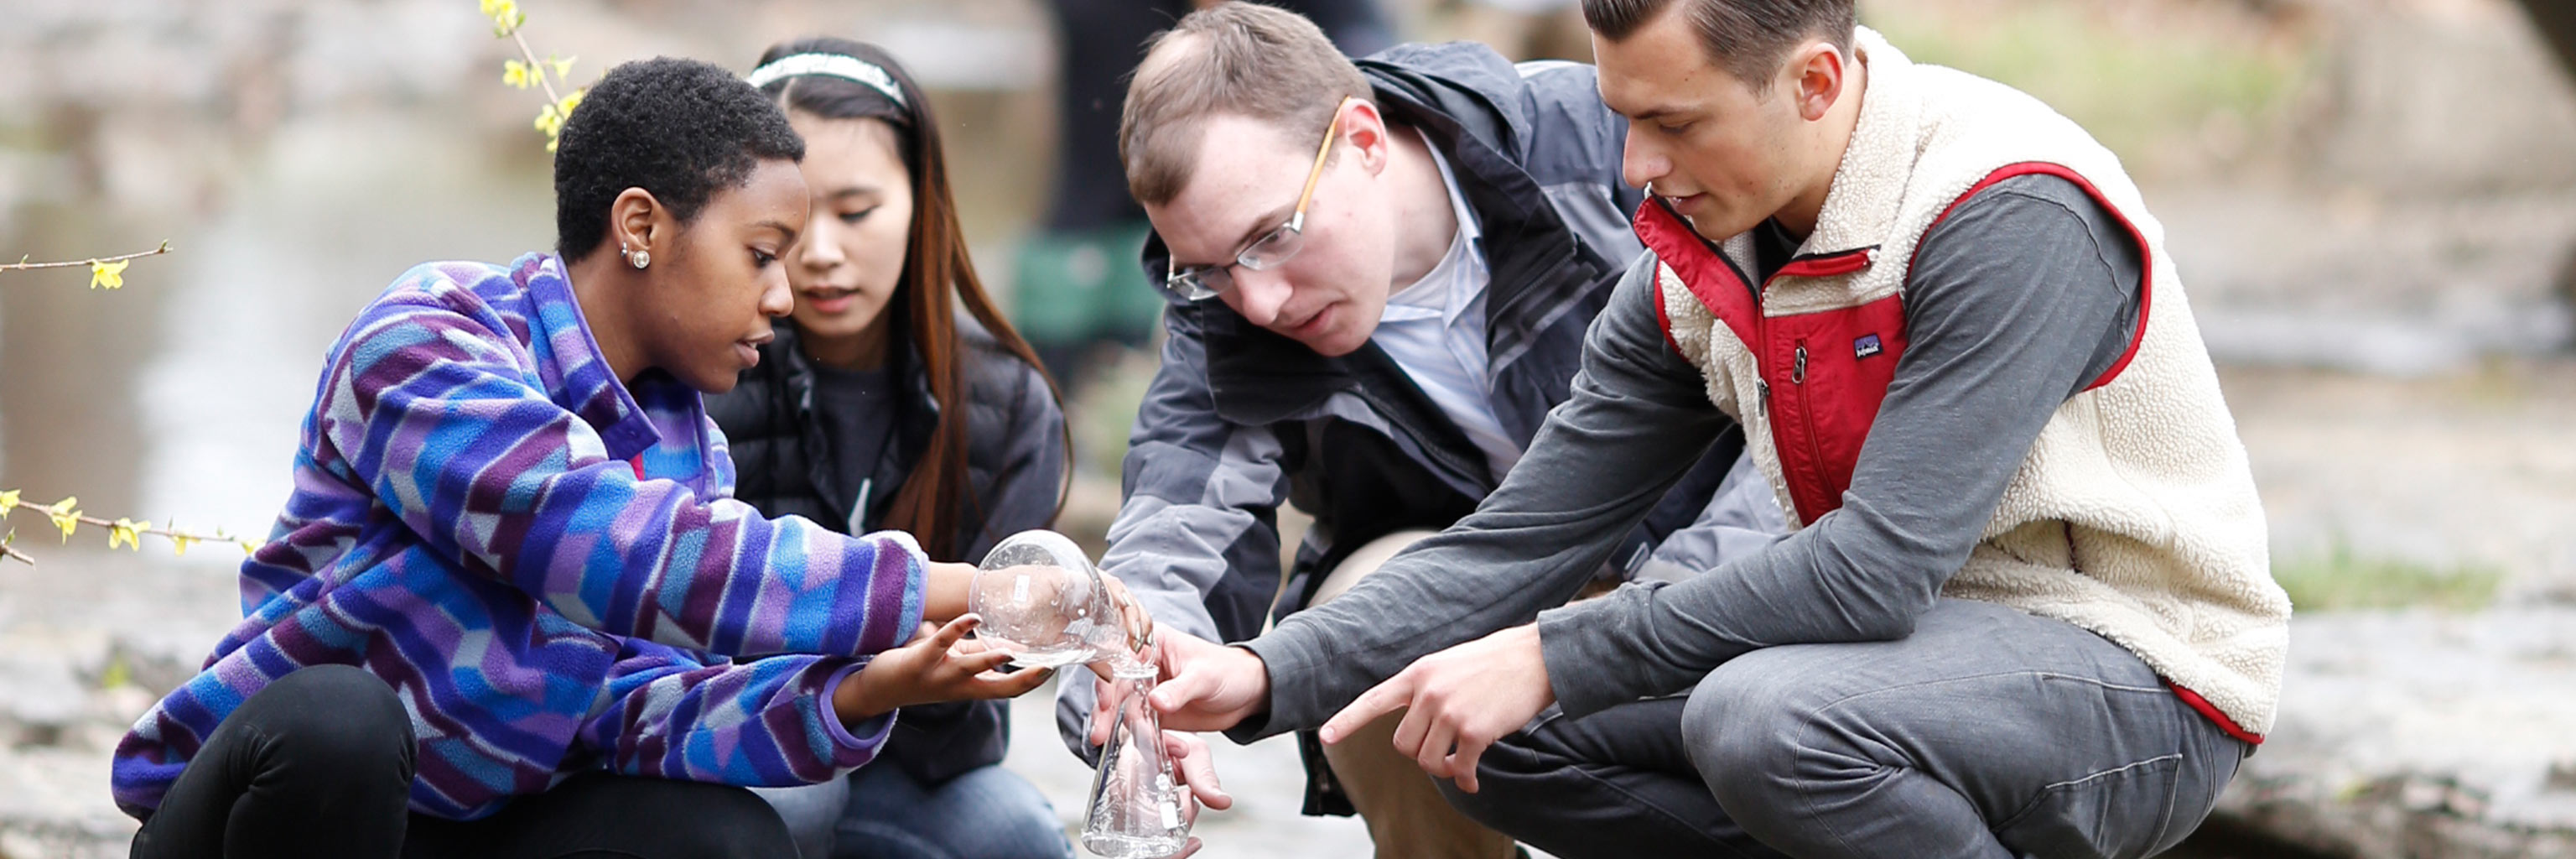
(880,812)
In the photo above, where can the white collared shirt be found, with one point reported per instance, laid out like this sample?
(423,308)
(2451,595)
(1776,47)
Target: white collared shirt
(1435,331)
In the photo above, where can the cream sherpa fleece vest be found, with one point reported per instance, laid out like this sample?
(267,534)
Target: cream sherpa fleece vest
(2133,515)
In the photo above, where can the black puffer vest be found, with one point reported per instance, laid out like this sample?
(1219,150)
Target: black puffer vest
(1014,466)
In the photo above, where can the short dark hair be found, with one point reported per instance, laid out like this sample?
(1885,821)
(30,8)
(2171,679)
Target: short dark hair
(679,129)
(1240,59)
(1747,38)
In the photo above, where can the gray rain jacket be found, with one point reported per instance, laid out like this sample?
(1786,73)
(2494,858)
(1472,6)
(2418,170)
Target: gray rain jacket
(1240,419)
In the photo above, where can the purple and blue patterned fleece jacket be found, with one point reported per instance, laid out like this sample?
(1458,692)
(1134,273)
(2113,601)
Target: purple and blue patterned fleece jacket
(544,564)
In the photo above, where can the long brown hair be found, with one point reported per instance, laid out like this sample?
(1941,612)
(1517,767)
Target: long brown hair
(936,494)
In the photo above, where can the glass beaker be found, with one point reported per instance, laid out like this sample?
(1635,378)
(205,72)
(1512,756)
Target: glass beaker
(1135,810)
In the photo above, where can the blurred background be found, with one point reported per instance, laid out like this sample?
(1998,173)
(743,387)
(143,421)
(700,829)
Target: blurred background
(2373,203)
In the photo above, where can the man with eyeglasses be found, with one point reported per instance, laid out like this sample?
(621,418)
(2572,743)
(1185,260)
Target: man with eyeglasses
(2028,608)
(1380,275)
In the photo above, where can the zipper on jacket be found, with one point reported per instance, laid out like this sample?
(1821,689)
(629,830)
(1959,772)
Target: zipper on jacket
(1807,411)
(1762,336)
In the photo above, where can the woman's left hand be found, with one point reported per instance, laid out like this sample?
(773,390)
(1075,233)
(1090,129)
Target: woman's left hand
(936,666)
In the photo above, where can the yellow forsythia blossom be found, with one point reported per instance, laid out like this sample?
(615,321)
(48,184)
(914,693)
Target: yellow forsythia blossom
(128,533)
(64,516)
(109,275)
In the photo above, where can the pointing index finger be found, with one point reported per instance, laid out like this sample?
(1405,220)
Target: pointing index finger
(1378,701)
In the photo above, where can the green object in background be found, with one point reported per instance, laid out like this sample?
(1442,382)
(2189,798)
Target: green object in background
(1081,287)
(2342,580)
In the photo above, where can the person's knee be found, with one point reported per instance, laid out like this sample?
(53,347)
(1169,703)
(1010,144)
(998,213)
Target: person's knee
(336,714)
(998,814)
(1499,799)
(1363,562)
(1746,727)
(1023,831)
(1513,781)
(810,812)
(715,821)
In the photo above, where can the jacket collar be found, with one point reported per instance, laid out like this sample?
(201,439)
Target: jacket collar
(1456,99)
(916,417)
(577,376)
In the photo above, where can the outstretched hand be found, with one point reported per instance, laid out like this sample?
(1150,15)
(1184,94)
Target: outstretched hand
(1457,702)
(1204,686)
(938,665)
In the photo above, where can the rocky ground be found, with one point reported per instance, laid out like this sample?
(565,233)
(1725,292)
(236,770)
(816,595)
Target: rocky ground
(2422,734)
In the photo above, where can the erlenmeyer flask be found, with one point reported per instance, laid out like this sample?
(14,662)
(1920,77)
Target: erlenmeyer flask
(1044,603)
(1135,802)
(1040,599)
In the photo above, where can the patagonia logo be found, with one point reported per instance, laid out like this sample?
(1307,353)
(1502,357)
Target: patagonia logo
(1866,346)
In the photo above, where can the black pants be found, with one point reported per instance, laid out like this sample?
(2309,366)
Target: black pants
(319,763)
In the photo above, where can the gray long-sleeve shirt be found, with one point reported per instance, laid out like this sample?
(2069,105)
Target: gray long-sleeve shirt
(2020,298)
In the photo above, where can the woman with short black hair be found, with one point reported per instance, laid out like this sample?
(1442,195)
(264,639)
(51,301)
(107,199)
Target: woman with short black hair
(496,616)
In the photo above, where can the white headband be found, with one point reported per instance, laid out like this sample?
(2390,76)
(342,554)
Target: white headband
(836,65)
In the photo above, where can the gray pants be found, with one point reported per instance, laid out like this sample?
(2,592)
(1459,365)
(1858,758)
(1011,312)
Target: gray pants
(1987,733)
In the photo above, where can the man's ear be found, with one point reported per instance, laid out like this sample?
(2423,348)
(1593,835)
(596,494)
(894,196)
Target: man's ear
(1815,78)
(1366,129)
(631,219)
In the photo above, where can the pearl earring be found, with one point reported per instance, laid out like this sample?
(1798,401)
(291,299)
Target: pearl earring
(640,259)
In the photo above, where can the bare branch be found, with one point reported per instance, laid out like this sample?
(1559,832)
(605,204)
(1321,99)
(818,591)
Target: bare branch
(23,264)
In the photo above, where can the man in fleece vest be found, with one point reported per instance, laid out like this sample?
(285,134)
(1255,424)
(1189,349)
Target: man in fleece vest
(1379,275)
(2026,610)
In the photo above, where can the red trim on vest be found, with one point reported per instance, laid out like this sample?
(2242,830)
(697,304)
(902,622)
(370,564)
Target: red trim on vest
(638,462)
(2210,711)
(1823,374)
(1830,264)
(1709,277)
(2146,260)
